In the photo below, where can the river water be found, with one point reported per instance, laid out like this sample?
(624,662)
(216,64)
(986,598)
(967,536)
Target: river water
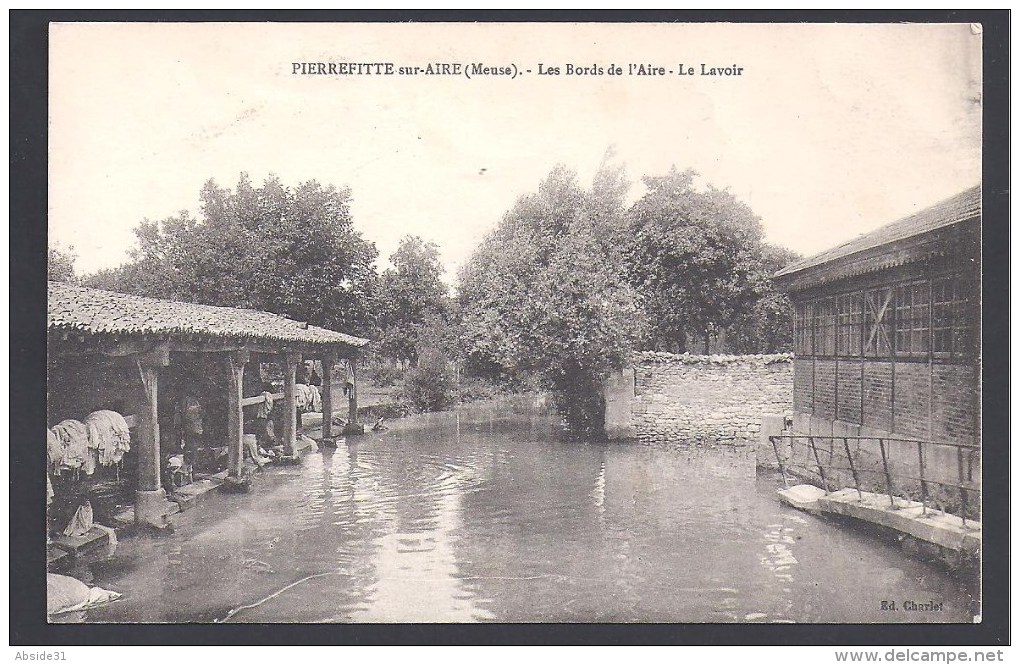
(483,514)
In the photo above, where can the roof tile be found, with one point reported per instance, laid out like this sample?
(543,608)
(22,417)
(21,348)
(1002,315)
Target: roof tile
(958,208)
(93,311)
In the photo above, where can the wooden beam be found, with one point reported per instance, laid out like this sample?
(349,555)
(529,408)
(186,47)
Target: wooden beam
(235,416)
(352,402)
(289,362)
(149,477)
(158,356)
(258,399)
(210,346)
(113,348)
(327,394)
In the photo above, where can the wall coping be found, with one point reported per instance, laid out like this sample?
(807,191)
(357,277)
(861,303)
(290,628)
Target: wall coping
(715,359)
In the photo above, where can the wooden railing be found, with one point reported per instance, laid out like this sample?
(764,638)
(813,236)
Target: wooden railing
(258,399)
(132,420)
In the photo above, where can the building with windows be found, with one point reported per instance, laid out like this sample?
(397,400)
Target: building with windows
(888,330)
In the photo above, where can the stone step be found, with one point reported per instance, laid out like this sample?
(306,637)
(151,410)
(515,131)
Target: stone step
(124,521)
(56,558)
(188,496)
(901,515)
(77,546)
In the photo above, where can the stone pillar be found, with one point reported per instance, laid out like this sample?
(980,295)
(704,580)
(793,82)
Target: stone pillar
(619,394)
(327,395)
(352,403)
(151,505)
(289,363)
(235,416)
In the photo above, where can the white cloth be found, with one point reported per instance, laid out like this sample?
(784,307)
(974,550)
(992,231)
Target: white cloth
(74,438)
(300,396)
(108,435)
(81,522)
(66,594)
(266,406)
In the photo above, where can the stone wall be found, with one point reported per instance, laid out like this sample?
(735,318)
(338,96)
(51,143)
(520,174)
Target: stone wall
(702,399)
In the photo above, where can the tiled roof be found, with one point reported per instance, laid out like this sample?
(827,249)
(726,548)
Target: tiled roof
(963,206)
(96,312)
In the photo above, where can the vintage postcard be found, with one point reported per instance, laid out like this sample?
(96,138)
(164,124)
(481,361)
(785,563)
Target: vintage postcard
(514,323)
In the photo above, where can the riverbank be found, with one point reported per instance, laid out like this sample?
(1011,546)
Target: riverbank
(485,513)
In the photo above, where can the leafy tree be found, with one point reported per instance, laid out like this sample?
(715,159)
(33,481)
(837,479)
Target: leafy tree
(545,293)
(60,264)
(767,327)
(698,262)
(413,300)
(289,251)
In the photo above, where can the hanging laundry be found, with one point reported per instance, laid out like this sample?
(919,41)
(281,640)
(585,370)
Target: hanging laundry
(301,397)
(266,406)
(73,436)
(54,449)
(315,398)
(349,378)
(108,435)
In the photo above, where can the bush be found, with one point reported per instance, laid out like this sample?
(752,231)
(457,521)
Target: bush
(385,374)
(477,389)
(431,385)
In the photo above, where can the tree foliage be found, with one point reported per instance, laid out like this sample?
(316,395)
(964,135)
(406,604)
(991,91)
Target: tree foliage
(767,325)
(700,266)
(60,264)
(289,251)
(413,303)
(545,293)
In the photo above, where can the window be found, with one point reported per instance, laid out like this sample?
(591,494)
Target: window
(804,329)
(850,315)
(952,317)
(825,327)
(911,316)
(877,322)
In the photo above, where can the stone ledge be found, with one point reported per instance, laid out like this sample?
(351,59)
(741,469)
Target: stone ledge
(717,359)
(77,546)
(190,495)
(938,528)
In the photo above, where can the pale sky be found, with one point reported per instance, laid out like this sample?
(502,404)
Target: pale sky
(830,131)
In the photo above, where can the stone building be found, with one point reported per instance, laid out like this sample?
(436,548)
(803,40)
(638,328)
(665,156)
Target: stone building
(888,330)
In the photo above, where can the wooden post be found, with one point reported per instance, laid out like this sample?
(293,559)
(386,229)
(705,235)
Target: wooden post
(236,361)
(151,506)
(327,394)
(289,363)
(352,402)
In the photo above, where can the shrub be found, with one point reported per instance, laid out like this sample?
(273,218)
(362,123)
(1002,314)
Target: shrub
(476,389)
(430,386)
(385,374)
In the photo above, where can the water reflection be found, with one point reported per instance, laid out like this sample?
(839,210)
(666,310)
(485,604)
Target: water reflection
(483,515)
